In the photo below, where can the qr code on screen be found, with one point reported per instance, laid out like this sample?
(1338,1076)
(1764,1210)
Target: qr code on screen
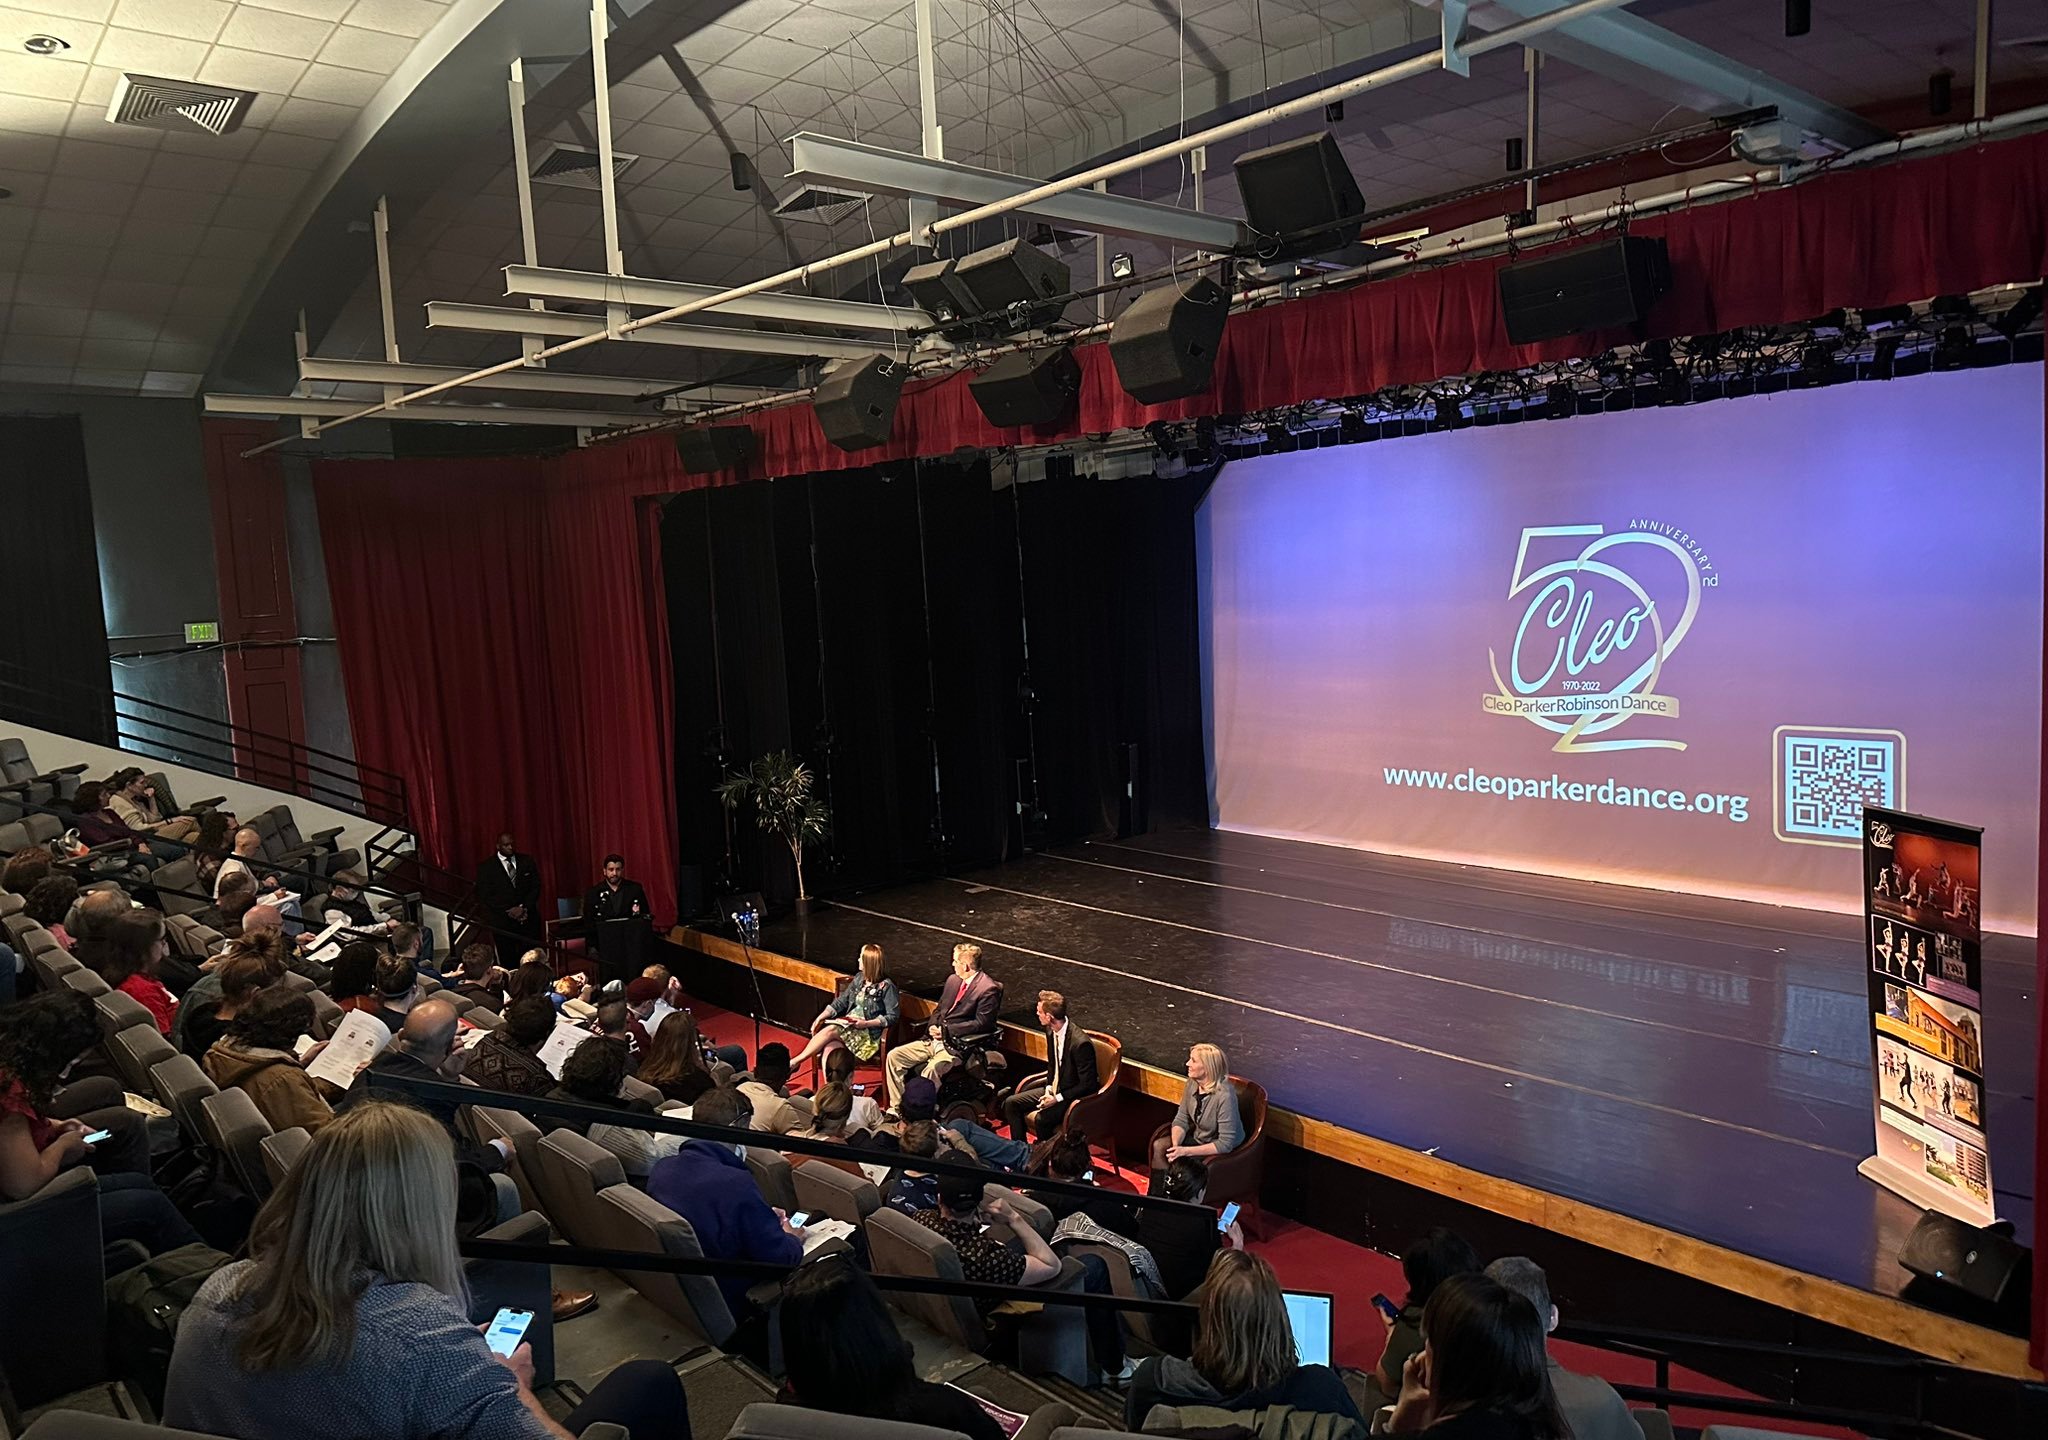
(1825,778)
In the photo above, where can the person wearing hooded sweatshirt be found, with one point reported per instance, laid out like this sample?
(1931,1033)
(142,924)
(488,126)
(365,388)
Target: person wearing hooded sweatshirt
(256,1057)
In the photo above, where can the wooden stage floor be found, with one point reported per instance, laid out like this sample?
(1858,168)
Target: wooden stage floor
(1698,1066)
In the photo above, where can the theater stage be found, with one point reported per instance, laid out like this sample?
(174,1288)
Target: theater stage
(1679,1079)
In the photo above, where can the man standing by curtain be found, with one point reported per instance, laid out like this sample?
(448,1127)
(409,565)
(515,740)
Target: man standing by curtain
(615,921)
(508,884)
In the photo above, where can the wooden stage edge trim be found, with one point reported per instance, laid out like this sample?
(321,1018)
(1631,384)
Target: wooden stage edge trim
(1881,1317)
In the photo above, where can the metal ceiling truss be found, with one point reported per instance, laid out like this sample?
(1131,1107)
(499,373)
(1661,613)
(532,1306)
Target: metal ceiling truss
(585,329)
(541,282)
(305,407)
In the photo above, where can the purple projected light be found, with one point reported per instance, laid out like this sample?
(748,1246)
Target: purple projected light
(1675,647)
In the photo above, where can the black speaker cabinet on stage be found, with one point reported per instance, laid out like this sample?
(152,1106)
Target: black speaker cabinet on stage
(1300,197)
(856,402)
(1028,387)
(705,448)
(1953,1256)
(1164,345)
(1601,286)
(1012,274)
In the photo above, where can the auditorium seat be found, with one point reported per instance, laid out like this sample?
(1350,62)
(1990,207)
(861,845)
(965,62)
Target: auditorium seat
(18,928)
(235,1128)
(118,1010)
(630,1219)
(1121,1282)
(1655,1424)
(11,904)
(1027,1209)
(51,962)
(84,1425)
(178,889)
(488,1123)
(84,982)
(179,1085)
(828,1190)
(168,801)
(569,1172)
(768,1421)
(281,1151)
(772,1177)
(190,938)
(135,1049)
(322,845)
(22,778)
(53,1273)
(326,1015)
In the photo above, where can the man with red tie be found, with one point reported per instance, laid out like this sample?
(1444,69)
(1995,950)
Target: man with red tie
(967,1009)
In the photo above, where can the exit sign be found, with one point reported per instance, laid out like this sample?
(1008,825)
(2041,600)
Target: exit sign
(205,632)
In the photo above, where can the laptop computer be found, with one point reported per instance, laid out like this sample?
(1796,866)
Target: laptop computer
(1309,1314)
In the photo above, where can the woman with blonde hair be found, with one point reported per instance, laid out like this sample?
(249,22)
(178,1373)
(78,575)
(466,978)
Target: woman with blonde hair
(859,1017)
(1244,1355)
(1207,1123)
(349,1318)
(831,1113)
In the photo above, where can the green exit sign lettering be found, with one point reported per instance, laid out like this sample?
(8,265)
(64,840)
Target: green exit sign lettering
(204,632)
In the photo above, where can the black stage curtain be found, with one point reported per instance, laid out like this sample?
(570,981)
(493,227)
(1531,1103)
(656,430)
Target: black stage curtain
(51,583)
(972,668)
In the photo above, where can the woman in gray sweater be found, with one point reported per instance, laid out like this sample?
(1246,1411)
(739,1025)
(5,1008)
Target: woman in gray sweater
(1207,1123)
(349,1320)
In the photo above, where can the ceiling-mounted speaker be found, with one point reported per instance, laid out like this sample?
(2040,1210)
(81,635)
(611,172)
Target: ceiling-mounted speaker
(1602,286)
(1014,285)
(935,286)
(856,401)
(1299,197)
(1028,387)
(704,449)
(1164,345)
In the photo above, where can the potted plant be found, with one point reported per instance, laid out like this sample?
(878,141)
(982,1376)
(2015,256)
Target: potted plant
(777,787)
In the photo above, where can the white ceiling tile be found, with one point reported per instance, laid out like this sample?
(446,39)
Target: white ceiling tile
(299,116)
(193,172)
(339,85)
(76,9)
(121,354)
(189,206)
(92,197)
(18,349)
(311,9)
(73,227)
(39,76)
(172,382)
(188,19)
(33,114)
(396,17)
(359,49)
(146,53)
(772,55)
(64,320)
(302,152)
(269,182)
(272,32)
(98,89)
(93,377)
(235,145)
(251,70)
(250,213)
(706,45)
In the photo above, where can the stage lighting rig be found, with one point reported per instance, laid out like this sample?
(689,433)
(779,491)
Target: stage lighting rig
(2019,315)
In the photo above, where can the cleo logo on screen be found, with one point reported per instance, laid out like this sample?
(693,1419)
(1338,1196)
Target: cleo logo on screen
(1597,618)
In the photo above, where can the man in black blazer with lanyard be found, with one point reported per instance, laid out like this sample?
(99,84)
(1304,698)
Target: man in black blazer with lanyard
(967,1007)
(508,884)
(1069,1073)
(616,898)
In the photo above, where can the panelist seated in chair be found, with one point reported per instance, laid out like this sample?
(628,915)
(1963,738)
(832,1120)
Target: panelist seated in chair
(349,1317)
(1038,1109)
(1208,1123)
(966,1011)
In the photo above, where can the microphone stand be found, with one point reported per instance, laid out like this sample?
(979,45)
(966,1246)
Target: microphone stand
(748,923)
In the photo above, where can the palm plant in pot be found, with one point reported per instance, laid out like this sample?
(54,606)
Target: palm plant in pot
(777,788)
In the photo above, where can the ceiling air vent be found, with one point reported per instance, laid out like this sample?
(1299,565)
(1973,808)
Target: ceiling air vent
(574,165)
(821,206)
(158,104)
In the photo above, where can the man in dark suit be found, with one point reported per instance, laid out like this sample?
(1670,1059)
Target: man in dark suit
(1069,1073)
(508,884)
(615,898)
(967,1008)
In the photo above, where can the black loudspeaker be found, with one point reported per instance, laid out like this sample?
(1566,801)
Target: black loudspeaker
(935,286)
(705,448)
(1013,284)
(856,402)
(1300,197)
(1590,287)
(1028,387)
(1983,1264)
(1164,345)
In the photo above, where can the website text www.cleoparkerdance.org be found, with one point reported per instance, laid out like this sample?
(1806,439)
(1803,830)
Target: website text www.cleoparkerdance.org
(1572,792)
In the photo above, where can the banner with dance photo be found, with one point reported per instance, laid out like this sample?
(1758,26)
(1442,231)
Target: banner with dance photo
(1923,911)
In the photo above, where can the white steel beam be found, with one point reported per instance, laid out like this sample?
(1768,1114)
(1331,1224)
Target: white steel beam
(551,382)
(504,320)
(300,405)
(581,285)
(828,160)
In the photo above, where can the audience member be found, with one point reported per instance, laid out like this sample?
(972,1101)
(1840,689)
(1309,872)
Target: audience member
(259,1055)
(97,824)
(398,989)
(49,901)
(1426,1264)
(1207,1123)
(674,1060)
(1180,1243)
(132,796)
(130,956)
(831,1109)
(920,1102)
(43,1125)
(767,1090)
(532,977)
(594,1074)
(410,942)
(859,1017)
(867,1111)
(349,1316)
(206,991)
(248,845)
(845,1356)
(345,901)
(1482,1375)
(614,1022)
(1592,1410)
(909,1190)
(233,895)
(508,1059)
(95,913)
(708,1183)
(203,1021)
(1069,1076)
(966,1010)
(1244,1356)
(211,845)
(643,993)
(353,984)
(479,979)
(25,869)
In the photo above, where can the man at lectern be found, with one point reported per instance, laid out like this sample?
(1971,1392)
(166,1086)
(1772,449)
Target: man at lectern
(616,921)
